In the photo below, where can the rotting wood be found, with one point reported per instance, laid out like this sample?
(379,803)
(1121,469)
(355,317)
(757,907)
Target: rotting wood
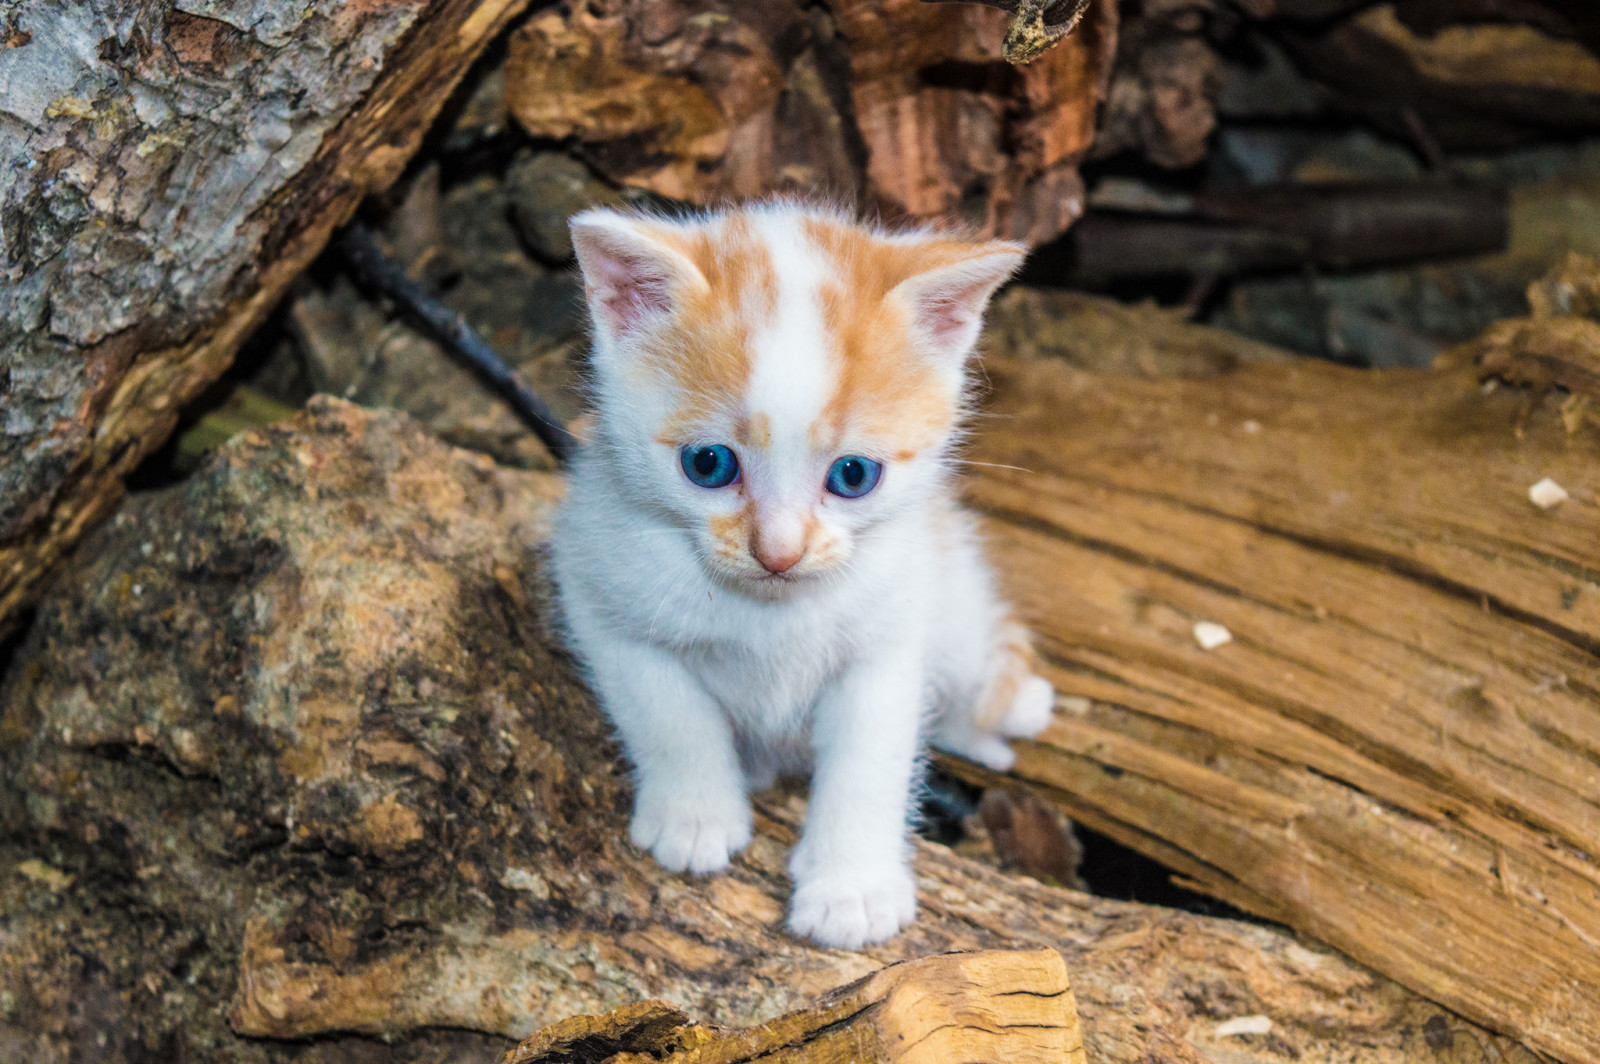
(1011,1006)
(165,171)
(1398,753)
(1556,346)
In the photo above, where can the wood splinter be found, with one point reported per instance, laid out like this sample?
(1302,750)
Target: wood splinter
(1011,1006)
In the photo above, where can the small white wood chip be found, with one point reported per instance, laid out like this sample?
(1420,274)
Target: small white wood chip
(528,882)
(1077,705)
(1547,493)
(1256,1024)
(1252,426)
(1211,635)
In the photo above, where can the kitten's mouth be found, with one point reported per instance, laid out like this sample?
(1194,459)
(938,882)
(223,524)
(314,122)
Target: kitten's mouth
(767,584)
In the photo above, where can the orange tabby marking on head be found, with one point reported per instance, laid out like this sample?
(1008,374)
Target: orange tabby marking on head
(754,431)
(707,348)
(882,387)
(731,532)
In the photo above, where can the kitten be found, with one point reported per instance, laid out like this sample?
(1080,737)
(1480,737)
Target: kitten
(760,559)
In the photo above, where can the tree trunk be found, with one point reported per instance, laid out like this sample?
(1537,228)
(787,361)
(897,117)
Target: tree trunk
(166,169)
(1396,753)
(289,759)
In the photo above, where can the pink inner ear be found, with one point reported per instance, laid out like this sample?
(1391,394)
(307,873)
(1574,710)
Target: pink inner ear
(949,301)
(630,287)
(633,289)
(628,279)
(950,314)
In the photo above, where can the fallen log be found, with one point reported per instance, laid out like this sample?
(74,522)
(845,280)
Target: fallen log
(1391,742)
(1275,227)
(996,1006)
(165,171)
(290,756)
(1476,78)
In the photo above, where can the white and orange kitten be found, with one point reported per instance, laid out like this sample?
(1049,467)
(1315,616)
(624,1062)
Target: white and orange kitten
(760,559)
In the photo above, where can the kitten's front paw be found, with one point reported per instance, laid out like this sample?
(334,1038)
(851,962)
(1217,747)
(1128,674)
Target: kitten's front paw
(694,834)
(848,909)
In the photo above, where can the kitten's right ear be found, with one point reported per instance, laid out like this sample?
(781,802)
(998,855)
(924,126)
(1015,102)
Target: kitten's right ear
(631,277)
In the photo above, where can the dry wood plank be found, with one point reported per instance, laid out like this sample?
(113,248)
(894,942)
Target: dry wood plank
(1399,751)
(992,1006)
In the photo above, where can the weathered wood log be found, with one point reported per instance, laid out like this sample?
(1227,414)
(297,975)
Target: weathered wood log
(165,171)
(290,754)
(1281,226)
(1473,82)
(994,1007)
(898,105)
(1397,752)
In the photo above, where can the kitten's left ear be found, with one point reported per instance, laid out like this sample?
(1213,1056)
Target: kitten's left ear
(947,301)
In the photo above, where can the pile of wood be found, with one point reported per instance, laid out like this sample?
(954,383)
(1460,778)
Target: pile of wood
(290,757)
(1327,640)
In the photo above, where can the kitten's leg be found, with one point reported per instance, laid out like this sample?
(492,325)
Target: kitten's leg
(690,809)
(851,869)
(1010,701)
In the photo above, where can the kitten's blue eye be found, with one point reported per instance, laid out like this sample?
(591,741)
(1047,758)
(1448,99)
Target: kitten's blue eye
(710,467)
(853,476)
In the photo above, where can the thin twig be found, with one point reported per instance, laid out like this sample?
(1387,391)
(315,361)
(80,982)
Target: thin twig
(376,270)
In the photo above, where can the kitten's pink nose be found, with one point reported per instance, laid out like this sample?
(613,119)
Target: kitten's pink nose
(778,544)
(774,562)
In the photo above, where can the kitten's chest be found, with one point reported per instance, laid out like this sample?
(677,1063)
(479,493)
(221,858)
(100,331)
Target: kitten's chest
(768,666)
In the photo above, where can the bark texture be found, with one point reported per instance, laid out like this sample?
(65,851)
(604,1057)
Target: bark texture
(1397,752)
(166,168)
(901,106)
(292,770)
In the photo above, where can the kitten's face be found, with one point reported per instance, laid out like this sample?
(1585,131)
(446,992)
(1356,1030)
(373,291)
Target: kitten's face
(778,381)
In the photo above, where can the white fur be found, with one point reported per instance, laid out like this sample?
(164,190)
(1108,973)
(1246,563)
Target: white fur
(720,676)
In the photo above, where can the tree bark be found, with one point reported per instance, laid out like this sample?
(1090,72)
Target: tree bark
(1396,753)
(896,105)
(166,169)
(291,763)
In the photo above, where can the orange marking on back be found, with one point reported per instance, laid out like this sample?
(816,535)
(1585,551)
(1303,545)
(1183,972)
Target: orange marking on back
(1017,662)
